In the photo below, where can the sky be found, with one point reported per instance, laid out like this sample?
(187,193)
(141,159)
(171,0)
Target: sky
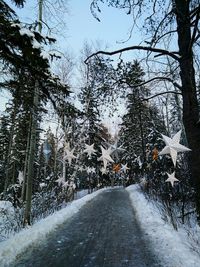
(80,25)
(77,25)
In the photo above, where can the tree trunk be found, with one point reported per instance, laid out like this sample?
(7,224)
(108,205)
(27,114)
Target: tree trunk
(32,145)
(190,102)
(31,158)
(23,193)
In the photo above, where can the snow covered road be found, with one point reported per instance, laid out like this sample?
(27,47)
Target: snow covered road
(104,233)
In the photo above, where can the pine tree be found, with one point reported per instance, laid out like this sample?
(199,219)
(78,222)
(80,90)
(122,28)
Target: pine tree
(139,121)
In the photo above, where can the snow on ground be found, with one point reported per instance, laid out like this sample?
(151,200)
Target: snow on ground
(80,194)
(10,248)
(171,246)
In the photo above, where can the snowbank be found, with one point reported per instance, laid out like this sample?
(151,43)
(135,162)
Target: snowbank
(172,247)
(80,194)
(10,248)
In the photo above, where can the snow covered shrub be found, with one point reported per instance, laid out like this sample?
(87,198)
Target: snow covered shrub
(45,203)
(10,219)
(12,194)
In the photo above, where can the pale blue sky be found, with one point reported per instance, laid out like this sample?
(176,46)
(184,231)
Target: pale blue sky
(81,25)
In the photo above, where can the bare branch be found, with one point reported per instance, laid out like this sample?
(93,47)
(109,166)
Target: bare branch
(161,79)
(145,48)
(163,93)
(194,31)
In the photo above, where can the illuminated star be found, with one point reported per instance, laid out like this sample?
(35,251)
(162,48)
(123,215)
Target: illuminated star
(69,155)
(171,178)
(106,156)
(89,149)
(173,147)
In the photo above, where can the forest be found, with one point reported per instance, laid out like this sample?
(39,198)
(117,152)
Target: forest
(54,143)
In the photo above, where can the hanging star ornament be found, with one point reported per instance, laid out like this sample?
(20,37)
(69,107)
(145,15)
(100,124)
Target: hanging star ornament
(103,170)
(116,167)
(69,155)
(89,149)
(20,177)
(90,170)
(173,147)
(171,178)
(116,150)
(106,156)
(124,168)
(60,181)
(81,169)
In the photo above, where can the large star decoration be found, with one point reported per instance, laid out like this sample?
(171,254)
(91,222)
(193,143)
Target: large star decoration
(89,149)
(173,147)
(171,178)
(69,155)
(124,168)
(106,156)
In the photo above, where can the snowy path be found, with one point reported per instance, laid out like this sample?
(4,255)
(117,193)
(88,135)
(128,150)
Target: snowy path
(104,233)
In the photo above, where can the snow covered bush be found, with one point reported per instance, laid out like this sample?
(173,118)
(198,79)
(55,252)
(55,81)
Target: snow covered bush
(10,219)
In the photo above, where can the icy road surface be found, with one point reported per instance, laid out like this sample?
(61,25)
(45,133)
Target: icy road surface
(104,233)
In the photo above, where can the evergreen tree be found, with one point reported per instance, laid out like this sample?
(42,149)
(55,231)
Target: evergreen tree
(140,120)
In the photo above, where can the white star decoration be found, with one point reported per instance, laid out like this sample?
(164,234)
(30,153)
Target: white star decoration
(106,156)
(20,177)
(65,185)
(171,178)
(116,149)
(81,168)
(124,168)
(89,149)
(91,170)
(60,181)
(173,147)
(103,170)
(69,155)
